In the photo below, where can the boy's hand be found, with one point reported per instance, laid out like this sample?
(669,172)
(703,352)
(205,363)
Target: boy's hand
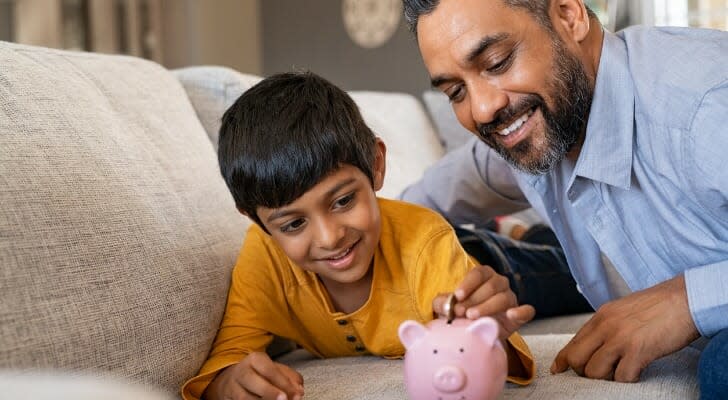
(484,293)
(256,377)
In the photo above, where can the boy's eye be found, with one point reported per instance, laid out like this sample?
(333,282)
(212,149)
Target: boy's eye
(344,201)
(293,226)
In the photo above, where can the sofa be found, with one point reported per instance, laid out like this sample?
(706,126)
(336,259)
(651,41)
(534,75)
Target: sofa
(118,235)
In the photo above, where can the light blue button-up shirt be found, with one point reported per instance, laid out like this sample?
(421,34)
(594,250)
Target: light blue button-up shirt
(650,187)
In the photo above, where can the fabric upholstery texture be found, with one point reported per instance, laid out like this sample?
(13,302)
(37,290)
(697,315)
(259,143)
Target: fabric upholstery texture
(452,135)
(412,144)
(211,91)
(117,234)
(672,377)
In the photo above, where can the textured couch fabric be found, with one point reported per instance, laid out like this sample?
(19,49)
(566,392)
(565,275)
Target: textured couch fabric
(118,234)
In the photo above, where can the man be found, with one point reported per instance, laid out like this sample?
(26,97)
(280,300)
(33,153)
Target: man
(618,141)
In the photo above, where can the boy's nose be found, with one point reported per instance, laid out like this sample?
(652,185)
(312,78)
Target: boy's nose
(329,234)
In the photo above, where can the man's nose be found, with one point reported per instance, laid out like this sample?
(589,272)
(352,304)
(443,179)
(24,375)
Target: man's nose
(329,233)
(486,100)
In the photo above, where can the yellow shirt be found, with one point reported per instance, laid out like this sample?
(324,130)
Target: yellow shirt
(418,257)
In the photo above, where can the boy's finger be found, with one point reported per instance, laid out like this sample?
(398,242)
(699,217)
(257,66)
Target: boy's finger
(472,281)
(496,304)
(295,390)
(274,381)
(521,314)
(256,386)
(438,304)
(291,373)
(496,284)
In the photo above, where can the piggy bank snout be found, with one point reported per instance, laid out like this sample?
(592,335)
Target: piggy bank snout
(449,379)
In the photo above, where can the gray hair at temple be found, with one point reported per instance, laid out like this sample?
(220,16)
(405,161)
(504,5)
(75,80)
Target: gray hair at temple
(539,9)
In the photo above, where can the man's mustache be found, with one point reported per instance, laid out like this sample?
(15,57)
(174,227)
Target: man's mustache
(507,115)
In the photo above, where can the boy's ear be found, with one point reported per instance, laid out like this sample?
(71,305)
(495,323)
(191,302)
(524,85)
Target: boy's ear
(380,164)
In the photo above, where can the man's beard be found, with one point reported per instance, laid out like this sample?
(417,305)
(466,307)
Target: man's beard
(572,95)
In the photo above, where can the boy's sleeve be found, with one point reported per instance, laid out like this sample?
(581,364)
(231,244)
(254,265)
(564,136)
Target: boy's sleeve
(516,342)
(251,307)
(441,266)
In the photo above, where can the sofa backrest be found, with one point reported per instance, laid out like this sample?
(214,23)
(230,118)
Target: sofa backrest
(117,233)
(399,119)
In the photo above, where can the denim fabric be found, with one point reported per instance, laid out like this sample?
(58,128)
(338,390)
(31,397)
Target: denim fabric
(537,272)
(713,368)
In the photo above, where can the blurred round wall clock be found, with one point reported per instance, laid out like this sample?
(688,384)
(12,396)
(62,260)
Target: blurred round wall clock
(370,23)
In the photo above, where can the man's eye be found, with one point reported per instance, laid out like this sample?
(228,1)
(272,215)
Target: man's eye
(344,201)
(456,93)
(293,226)
(502,65)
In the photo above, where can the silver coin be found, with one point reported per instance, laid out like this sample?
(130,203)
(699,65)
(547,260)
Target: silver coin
(449,307)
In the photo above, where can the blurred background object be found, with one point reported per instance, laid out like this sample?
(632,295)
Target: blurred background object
(357,44)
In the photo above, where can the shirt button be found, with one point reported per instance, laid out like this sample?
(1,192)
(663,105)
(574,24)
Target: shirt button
(553,211)
(359,348)
(342,322)
(351,338)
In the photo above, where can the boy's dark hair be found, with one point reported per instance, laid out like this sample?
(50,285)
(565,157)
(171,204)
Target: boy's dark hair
(287,133)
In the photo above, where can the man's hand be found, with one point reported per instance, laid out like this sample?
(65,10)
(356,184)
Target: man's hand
(625,335)
(484,293)
(256,377)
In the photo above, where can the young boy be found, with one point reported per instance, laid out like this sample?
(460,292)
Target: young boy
(327,264)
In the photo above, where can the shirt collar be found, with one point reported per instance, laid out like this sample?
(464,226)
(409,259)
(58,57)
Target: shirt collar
(606,155)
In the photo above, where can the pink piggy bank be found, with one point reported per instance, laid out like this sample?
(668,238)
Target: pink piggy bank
(462,360)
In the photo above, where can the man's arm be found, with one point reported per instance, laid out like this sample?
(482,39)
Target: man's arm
(625,335)
(707,285)
(469,185)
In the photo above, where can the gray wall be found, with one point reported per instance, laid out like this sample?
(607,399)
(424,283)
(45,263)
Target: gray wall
(310,35)
(6,21)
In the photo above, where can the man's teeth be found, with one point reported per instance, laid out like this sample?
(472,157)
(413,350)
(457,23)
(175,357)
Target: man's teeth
(516,124)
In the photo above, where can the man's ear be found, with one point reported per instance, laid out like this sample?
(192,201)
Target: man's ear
(380,164)
(572,18)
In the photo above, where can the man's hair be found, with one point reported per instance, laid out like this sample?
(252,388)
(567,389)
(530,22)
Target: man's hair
(539,9)
(287,133)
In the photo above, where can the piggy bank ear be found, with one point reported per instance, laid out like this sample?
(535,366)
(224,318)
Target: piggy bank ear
(486,329)
(410,332)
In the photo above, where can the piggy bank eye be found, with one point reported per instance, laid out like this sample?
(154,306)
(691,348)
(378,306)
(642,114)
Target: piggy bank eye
(434,351)
(462,350)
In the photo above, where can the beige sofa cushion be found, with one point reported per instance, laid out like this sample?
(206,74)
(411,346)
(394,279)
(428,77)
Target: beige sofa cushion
(402,123)
(671,377)
(117,234)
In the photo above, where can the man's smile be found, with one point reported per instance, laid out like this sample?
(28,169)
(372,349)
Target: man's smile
(516,124)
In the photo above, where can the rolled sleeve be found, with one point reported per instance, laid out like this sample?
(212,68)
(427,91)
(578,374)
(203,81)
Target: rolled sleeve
(707,289)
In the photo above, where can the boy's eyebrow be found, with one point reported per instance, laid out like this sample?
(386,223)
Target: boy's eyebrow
(482,45)
(338,187)
(282,213)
